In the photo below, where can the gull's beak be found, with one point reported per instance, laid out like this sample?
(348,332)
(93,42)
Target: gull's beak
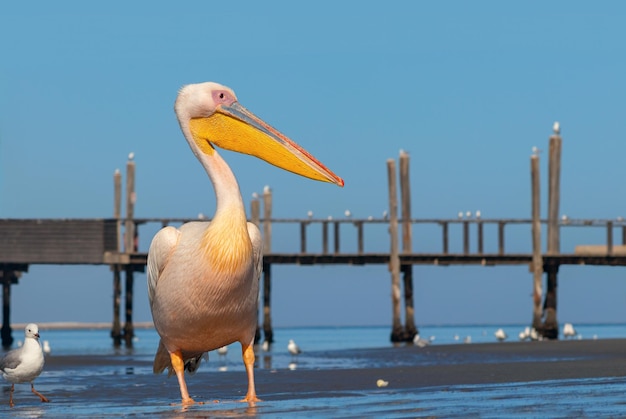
(235,128)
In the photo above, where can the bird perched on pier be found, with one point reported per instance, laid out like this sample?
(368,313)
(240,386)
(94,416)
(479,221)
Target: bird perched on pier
(203,278)
(24,364)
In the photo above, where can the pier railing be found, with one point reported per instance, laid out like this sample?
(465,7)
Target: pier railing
(459,240)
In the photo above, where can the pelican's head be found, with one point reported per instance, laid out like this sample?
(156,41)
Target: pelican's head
(210,115)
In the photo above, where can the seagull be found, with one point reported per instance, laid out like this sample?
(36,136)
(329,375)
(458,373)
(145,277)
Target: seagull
(529,333)
(203,278)
(293,348)
(420,342)
(46,347)
(501,335)
(568,330)
(556,127)
(24,364)
(222,351)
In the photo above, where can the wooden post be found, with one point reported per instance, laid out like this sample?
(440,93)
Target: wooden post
(6,334)
(466,237)
(444,228)
(303,225)
(609,238)
(267,220)
(336,234)
(550,325)
(255,218)
(116,329)
(410,330)
(267,268)
(397,331)
(501,237)
(267,313)
(537,262)
(324,237)
(554,173)
(129,234)
(359,239)
(479,227)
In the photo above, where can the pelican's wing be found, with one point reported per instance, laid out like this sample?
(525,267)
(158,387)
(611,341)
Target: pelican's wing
(161,248)
(257,249)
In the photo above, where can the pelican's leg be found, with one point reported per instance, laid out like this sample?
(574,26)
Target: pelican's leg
(179,368)
(11,395)
(248,360)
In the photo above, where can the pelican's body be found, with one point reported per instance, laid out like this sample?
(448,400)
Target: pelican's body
(203,278)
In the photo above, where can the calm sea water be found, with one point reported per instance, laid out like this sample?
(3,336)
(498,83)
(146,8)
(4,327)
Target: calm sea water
(105,391)
(310,339)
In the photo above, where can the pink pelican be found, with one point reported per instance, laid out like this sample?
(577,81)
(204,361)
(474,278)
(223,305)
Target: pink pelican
(203,278)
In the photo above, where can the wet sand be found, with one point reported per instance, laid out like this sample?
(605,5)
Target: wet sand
(102,386)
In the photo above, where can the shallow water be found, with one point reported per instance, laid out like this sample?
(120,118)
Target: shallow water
(120,382)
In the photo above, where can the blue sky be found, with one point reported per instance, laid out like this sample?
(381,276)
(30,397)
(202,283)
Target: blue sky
(467,88)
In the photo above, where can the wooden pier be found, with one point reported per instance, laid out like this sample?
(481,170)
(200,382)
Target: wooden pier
(113,242)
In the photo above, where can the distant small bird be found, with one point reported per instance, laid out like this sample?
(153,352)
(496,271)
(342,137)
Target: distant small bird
(309,214)
(469,214)
(501,335)
(460,215)
(293,348)
(529,333)
(222,351)
(46,347)
(348,213)
(131,156)
(24,364)
(266,346)
(420,342)
(385,215)
(468,339)
(556,127)
(478,214)
(568,330)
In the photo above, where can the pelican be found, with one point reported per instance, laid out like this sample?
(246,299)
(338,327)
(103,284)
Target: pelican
(203,278)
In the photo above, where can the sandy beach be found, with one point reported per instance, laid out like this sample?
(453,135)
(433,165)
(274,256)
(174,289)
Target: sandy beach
(422,382)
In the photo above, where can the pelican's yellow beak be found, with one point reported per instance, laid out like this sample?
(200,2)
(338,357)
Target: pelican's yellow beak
(235,128)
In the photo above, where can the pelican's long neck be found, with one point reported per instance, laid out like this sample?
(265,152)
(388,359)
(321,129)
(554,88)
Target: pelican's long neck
(228,197)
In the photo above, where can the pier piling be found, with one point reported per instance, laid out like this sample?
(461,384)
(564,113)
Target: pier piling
(267,268)
(397,331)
(410,330)
(550,327)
